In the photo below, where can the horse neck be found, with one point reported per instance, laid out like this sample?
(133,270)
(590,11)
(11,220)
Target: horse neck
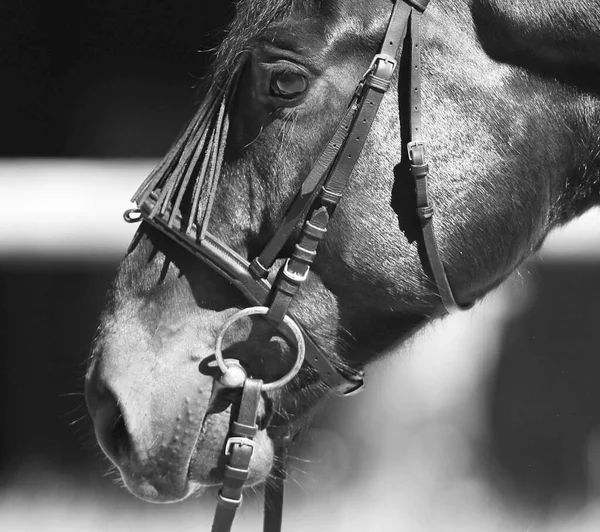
(582,187)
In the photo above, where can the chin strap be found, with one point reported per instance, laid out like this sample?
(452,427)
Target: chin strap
(239,448)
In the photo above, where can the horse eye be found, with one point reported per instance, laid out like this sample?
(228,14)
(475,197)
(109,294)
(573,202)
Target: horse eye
(288,84)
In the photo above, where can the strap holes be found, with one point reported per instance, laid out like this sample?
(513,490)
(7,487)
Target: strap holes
(364,120)
(358,139)
(349,156)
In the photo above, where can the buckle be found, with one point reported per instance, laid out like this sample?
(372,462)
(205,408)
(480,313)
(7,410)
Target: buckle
(293,276)
(388,59)
(238,440)
(412,146)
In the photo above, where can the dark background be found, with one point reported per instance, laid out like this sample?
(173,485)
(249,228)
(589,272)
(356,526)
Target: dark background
(96,78)
(108,79)
(80,79)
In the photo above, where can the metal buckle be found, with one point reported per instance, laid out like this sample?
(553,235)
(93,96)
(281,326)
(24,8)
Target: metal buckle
(386,59)
(292,276)
(372,67)
(412,145)
(238,440)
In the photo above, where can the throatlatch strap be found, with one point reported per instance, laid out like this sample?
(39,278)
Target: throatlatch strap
(239,448)
(418,164)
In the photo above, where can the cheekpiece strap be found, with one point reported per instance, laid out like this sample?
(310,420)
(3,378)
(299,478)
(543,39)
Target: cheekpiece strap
(238,451)
(419,169)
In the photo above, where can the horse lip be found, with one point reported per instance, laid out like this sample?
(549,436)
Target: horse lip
(199,442)
(148,491)
(164,477)
(174,486)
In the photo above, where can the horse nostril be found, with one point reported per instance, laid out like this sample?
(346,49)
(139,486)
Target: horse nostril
(109,423)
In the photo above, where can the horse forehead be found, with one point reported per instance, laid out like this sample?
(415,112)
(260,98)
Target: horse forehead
(325,25)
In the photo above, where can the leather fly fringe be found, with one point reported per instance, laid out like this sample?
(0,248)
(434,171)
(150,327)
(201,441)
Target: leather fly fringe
(181,189)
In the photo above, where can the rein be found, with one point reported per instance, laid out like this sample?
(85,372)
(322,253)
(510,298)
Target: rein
(190,173)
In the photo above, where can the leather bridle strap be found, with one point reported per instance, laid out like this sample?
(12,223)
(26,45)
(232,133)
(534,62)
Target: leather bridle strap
(419,169)
(238,448)
(313,207)
(339,157)
(310,187)
(367,99)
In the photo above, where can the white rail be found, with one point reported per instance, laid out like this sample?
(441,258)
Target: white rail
(72,210)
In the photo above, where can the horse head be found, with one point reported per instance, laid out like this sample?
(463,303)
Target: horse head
(512,154)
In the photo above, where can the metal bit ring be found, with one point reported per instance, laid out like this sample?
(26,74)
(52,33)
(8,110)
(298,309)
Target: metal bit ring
(291,324)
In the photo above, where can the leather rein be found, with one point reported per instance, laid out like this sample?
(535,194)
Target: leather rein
(312,208)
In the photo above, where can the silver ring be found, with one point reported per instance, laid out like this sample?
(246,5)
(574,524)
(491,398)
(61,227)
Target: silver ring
(293,326)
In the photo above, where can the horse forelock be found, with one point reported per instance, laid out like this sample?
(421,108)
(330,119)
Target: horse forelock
(254,17)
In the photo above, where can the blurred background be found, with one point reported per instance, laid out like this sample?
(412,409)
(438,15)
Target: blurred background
(487,421)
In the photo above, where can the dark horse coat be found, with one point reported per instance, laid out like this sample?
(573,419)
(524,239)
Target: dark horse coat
(512,128)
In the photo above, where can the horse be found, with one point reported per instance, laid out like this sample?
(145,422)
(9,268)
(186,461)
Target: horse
(511,130)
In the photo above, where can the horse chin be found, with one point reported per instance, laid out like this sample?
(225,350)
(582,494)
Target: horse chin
(205,467)
(148,491)
(207,463)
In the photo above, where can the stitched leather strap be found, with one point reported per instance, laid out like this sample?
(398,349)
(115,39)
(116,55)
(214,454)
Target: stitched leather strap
(239,448)
(420,170)
(305,198)
(367,100)
(235,269)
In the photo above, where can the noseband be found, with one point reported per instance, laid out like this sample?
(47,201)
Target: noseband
(159,202)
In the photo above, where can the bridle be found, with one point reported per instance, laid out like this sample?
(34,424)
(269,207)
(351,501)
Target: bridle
(202,147)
